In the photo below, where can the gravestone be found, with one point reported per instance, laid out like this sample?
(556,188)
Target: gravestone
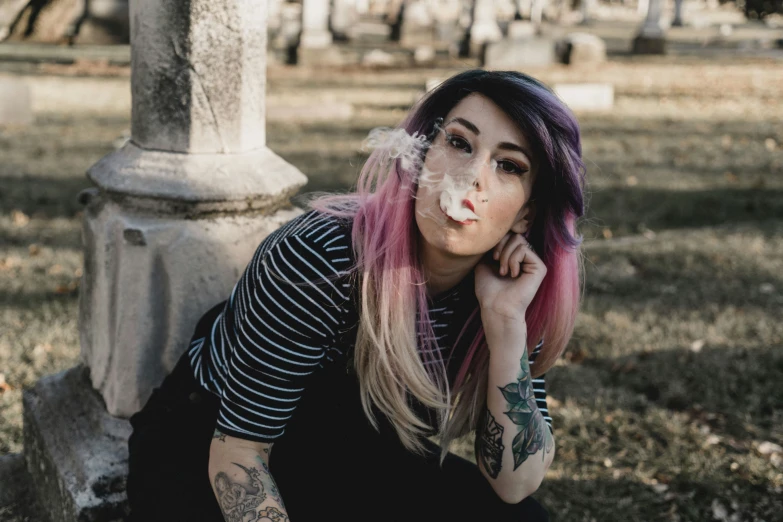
(677,21)
(586,96)
(175,216)
(651,38)
(580,49)
(15,102)
(520,54)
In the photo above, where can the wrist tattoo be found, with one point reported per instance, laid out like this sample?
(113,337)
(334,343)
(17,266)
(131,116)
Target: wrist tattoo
(489,443)
(239,499)
(533,434)
(218,435)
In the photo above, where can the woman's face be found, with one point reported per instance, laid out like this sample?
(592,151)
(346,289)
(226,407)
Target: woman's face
(476,180)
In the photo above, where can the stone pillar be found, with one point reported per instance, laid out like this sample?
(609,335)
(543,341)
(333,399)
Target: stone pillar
(677,21)
(315,24)
(343,19)
(651,38)
(586,6)
(485,28)
(175,217)
(182,206)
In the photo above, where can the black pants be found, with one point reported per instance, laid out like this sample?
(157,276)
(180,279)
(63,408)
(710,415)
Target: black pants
(330,464)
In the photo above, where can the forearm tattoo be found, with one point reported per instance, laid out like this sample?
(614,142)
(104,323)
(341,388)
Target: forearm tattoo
(269,482)
(533,433)
(239,499)
(489,443)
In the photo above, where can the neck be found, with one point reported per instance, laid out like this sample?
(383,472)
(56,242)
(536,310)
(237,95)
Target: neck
(443,271)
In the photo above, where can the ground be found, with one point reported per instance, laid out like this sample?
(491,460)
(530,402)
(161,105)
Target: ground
(670,388)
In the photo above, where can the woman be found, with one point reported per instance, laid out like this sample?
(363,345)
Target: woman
(430,302)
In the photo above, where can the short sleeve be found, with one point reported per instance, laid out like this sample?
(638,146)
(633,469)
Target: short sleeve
(539,388)
(284,317)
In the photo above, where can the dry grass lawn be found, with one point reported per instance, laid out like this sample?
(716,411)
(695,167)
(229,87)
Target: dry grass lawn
(671,388)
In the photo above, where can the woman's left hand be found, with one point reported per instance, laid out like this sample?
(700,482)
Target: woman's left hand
(506,287)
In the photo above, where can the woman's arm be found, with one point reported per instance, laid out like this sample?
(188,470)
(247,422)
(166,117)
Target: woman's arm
(240,477)
(514,446)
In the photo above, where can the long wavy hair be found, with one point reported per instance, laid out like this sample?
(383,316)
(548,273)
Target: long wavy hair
(393,354)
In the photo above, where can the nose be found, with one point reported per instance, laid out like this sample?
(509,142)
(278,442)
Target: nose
(482,174)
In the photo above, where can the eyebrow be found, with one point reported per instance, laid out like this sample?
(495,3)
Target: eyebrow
(504,145)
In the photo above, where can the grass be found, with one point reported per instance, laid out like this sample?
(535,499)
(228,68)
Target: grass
(671,385)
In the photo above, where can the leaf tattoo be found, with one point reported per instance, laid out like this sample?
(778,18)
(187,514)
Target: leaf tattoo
(489,444)
(522,410)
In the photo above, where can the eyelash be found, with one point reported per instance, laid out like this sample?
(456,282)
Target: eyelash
(460,143)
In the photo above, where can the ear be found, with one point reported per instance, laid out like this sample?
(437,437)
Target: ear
(524,218)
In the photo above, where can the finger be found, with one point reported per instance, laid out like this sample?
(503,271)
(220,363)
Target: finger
(499,247)
(533,264)
(508,249)
(517,260)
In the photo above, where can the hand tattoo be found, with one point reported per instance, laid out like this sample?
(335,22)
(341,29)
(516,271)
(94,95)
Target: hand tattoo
(489,443)
(238,499)
(534,434)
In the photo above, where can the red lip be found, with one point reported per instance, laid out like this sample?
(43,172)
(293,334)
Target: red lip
(468,204)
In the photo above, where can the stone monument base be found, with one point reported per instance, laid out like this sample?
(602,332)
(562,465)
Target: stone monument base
(649,45)
(76,453)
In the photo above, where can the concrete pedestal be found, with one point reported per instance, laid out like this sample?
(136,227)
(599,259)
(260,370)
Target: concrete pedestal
(76,453)
(149,282)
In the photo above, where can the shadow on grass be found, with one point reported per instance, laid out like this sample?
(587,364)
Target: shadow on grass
(628,210)
(735,391)
(47,197)
(625,500)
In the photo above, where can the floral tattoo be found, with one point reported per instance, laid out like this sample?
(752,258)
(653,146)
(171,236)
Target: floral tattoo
(533,432)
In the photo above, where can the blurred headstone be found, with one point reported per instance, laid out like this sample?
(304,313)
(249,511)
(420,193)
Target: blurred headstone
(651,38)
(343,18)
(520,54)
(677,21)
(424,55)
(521,29)
(581,49)
(315,24)
(586,96)
(417,24)
(15,101)
(9,12)
(484,29)
(47,21)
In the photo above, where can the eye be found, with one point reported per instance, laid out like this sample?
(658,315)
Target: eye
(458,142)
(510,167)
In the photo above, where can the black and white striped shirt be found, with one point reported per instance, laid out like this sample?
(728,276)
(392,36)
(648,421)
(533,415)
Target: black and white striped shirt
(292,312)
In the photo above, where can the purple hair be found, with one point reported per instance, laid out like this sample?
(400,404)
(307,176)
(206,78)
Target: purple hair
(385,232)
